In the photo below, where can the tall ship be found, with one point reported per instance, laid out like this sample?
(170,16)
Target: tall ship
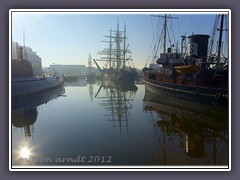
(118,64)
(23,81)
(193,73)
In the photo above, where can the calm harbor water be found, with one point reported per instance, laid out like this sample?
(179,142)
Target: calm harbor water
(109,124)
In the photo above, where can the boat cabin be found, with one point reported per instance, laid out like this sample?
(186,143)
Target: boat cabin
(170,58)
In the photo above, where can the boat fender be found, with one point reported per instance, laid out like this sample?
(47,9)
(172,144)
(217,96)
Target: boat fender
(218,96)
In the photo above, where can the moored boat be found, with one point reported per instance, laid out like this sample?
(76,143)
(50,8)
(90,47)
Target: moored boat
(27,86)
(192,76)
(23,82)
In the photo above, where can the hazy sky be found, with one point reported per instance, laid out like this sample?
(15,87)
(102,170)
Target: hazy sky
(69,37)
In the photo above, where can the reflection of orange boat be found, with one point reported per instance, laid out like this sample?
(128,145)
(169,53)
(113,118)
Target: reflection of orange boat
(187,69)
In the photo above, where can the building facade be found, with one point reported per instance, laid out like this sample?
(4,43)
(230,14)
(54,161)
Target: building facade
(67,70)
(30,55)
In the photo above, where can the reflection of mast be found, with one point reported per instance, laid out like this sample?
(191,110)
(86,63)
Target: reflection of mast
(163,125)
(203,129)
(91,91)
(117,104)
(164,144)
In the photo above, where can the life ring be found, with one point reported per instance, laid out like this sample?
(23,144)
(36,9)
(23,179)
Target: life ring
(218,96)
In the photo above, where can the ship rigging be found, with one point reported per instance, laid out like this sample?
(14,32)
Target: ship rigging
(119,63)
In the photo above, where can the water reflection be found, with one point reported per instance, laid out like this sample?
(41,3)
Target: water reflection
(106,119)
(82,82)
(75,81)
(117,100)
(24,116)
(199,131)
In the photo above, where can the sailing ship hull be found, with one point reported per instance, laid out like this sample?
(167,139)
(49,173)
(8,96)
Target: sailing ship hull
(193,93)
(121,76)
(31,85)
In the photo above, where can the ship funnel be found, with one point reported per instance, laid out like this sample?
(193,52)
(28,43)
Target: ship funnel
(198,46)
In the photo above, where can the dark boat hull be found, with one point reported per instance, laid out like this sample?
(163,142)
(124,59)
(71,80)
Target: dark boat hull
(119,76)
(21,104)
(193,93)
(27,86)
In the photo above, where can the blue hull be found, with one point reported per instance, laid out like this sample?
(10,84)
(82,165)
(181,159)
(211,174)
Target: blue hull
(192,93)
(26,86)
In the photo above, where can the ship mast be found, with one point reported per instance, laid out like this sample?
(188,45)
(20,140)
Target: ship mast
(165,30)
(219,43)
(118,39)
(124,46)
(24,51)
(165,33)
(213,36)
(110,49)
(116,53)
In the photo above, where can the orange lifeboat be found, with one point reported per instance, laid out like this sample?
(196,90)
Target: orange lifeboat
(187,69)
